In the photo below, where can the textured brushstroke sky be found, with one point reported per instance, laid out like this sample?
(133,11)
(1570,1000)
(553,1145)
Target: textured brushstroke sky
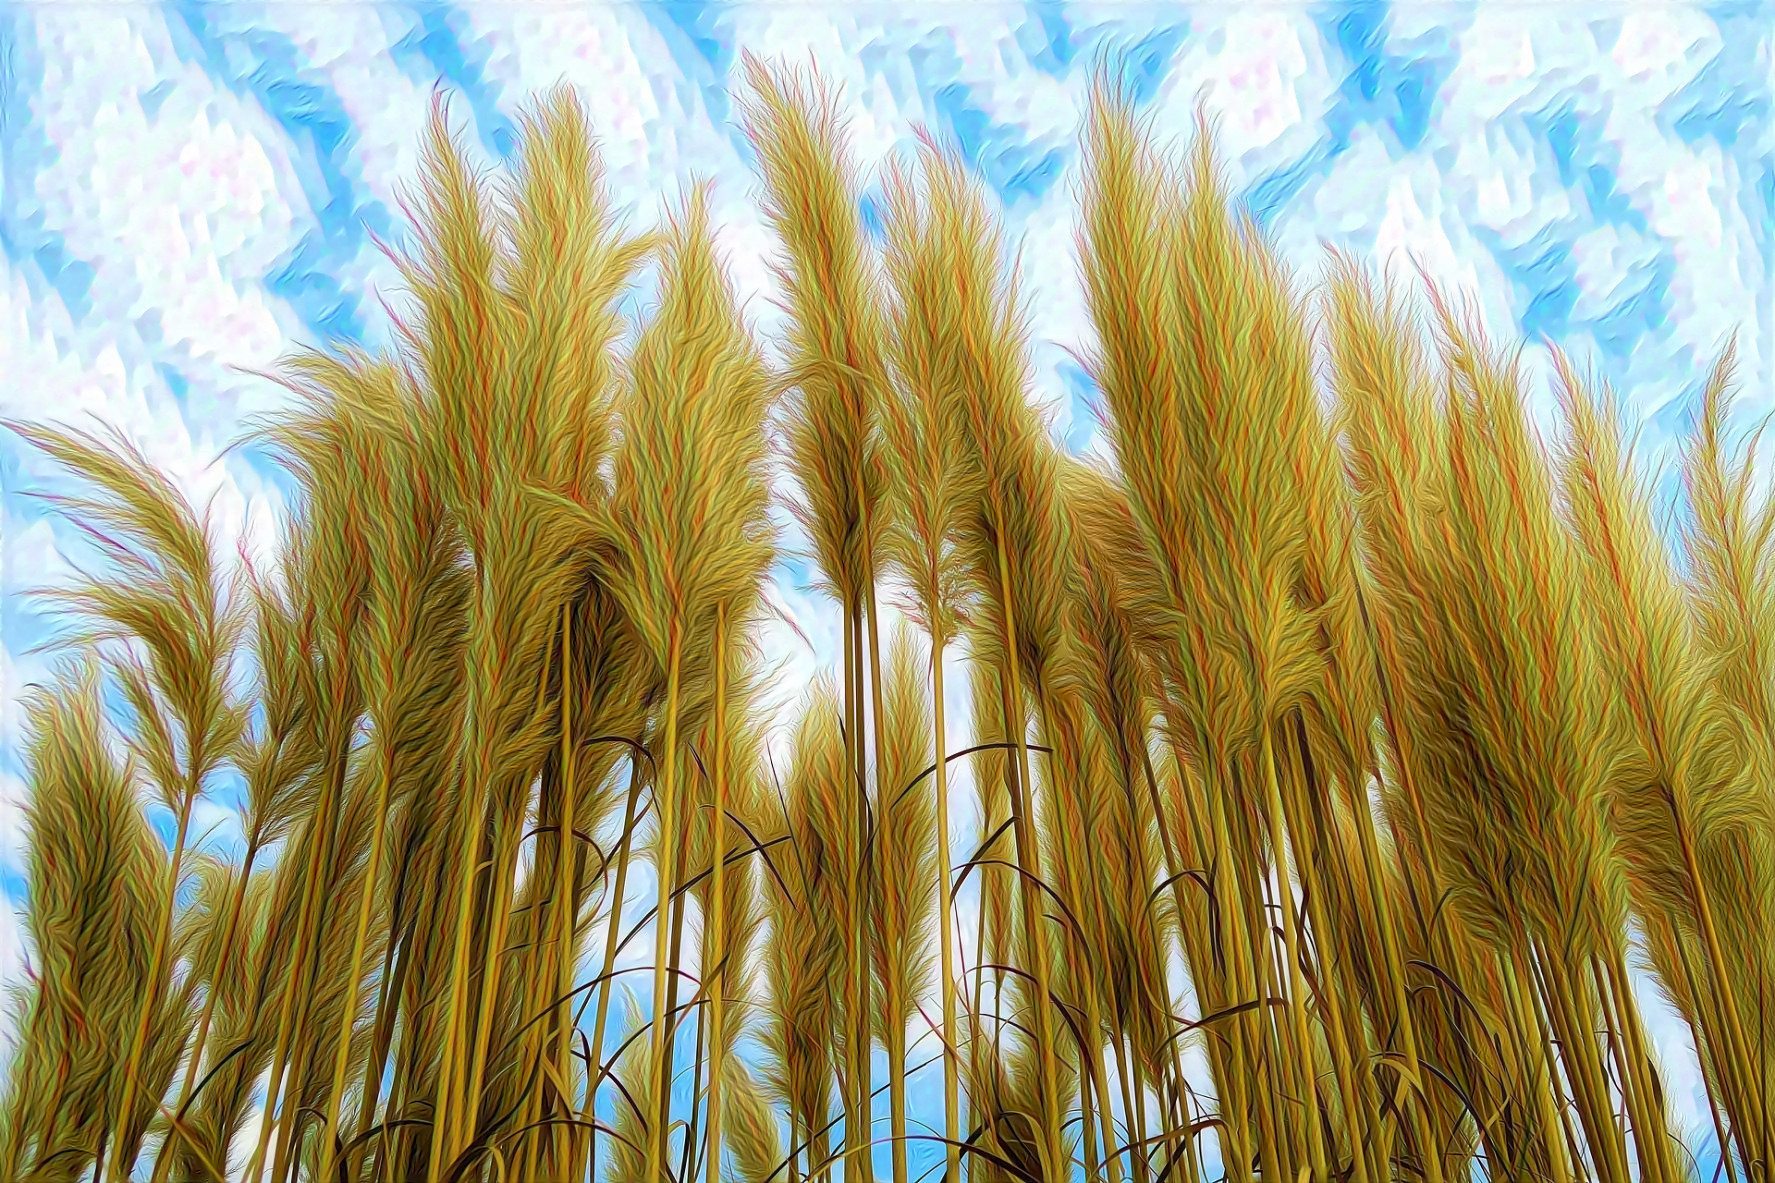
(188,190)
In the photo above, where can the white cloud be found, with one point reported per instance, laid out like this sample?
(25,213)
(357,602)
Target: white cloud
(182,214)
(17,674)
(13,951)
(14,797)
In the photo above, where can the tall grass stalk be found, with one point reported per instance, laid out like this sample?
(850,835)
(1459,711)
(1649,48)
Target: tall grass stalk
(835,362)
(275,797)
(175,606)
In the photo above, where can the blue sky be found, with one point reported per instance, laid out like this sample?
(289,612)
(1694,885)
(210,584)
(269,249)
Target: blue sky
(189,190)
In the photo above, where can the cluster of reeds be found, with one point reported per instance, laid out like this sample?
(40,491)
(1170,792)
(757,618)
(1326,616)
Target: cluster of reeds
(1340,689)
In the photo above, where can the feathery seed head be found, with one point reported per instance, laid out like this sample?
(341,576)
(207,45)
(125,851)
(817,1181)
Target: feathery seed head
(905,899)
(835,338)
(691,501)
(167,594)
(1204,362)
(969,346)
(1525,712)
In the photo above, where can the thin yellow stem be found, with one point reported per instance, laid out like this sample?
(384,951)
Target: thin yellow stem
(1542,1084)
(1297,990)
(120,1169)
(857,1124)
(366,903)
(878,720)
(566,882)
(1388,674)
(1356,1116)
(1736,1043)
(1054,1161)
(163,1160)
(1650,1139)
(612,940)
(1249,1044)
(505,854)
(450,1091)
(715,979)
(287,1005)
(659,1075)
(946,922)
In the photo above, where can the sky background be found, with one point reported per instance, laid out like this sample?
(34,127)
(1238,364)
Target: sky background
(188,191)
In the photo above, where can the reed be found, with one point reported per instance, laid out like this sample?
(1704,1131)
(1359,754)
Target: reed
(836,368)
(1335,685)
